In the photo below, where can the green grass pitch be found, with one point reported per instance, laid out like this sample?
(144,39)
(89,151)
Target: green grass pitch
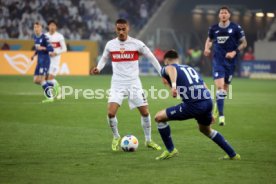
(69,141)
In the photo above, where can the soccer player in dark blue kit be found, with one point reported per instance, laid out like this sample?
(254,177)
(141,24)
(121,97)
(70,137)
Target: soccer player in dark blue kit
(228,40)
(42,50)
(196,103)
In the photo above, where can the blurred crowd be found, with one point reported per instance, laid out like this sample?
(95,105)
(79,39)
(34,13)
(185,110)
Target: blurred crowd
(137,11)
(77,19)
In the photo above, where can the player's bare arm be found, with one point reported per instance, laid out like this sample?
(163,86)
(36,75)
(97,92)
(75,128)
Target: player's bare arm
(32,58)
(243,44)
(208,46)
(165,82)
(171,71)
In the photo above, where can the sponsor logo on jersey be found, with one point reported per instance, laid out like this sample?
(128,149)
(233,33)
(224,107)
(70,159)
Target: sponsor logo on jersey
(230,30)
(55,44)
(222,39)
(125,56)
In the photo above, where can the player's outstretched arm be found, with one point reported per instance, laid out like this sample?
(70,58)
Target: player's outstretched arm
(172,73)
(149,55)
(154,61)
(102,62)
(100,66)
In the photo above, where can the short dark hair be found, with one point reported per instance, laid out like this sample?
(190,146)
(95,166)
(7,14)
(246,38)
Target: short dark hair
(121,21)
(51,22)
(37,23)
(224,8)
(171,54)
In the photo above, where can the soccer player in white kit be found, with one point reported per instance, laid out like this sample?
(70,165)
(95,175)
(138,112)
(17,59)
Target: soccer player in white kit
(124,52)
(58,43)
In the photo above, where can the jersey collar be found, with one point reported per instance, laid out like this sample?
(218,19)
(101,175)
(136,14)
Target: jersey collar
(128,37)
(221,26)
(38,36)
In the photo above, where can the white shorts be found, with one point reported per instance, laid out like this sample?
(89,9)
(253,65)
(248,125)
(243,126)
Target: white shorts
(54,68)
(133,92)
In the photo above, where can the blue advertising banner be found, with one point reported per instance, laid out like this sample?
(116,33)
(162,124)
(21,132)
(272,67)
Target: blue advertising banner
(249,68)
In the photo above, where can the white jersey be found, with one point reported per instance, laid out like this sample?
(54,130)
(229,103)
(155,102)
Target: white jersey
(58,43)
(125,56)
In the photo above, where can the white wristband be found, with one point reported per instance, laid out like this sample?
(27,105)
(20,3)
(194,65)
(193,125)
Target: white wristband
(173,85)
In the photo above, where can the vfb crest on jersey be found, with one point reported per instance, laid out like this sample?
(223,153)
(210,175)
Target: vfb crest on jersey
(222,39)
(122,50)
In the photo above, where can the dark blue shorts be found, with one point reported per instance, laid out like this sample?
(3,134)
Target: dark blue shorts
(223,71)
(42,67)
(201,111)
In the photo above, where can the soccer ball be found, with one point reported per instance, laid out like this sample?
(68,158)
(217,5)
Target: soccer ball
(129,143)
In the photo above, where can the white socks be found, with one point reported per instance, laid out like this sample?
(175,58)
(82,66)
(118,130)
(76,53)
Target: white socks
(113,123)
(146,124)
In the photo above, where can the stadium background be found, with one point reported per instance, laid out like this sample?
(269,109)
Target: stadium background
(160,24)
(70,143)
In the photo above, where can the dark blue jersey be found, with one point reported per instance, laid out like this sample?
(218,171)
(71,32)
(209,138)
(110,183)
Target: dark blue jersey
(225,39)
(189,84)
(43,41)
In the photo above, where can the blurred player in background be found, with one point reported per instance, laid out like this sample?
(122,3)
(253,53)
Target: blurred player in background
(58,43)
(42,50)
(229,40)
(124,52)
(197,104)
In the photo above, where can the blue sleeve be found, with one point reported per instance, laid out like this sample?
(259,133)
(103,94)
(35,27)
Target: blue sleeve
(240,32)
(48,45)
(211,33)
